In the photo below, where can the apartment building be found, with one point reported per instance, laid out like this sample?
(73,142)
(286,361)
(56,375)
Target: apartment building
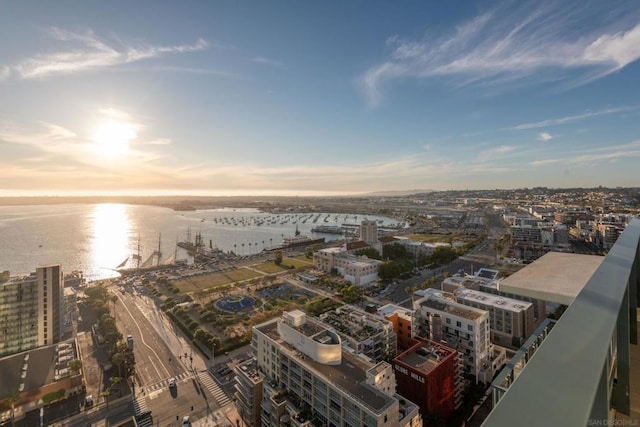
(510,321)
(431,375)
(477,283)
(363,333)
(465,329)
(31,309)
(307,379)
(400,318)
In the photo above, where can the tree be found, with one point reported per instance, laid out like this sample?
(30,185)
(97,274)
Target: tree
(277,257)
(75,365)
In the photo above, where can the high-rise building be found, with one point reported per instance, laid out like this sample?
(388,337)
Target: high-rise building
(31,310)
(307,379)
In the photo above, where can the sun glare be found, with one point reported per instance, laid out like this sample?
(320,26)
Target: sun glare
(112,137)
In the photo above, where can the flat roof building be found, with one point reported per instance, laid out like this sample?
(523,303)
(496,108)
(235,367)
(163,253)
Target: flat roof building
(555,277)
(465,329)
(431,375)
(363,333)
(308,379)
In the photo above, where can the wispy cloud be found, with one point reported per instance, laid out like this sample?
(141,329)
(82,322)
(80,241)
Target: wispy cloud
(267,61)
(544,162)
(571,119)
(500,150)
(545,136)
(87,51)
(533,42)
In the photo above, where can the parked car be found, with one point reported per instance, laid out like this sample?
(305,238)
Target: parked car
(172,382)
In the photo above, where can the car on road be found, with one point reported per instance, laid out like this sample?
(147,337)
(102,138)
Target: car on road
(185,421)
(172,382)
(88,401)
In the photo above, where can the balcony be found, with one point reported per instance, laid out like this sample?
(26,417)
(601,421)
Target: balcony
(580,375)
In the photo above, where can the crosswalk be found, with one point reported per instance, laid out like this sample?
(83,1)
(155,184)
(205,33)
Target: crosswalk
(206,380)
(140,407)
(164,383)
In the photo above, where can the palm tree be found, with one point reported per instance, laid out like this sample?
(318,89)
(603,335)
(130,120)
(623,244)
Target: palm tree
(263,245)
(243,249)
(270,242)
(249,248)
(234,248)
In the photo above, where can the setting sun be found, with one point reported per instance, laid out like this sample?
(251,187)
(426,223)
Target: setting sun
(112,137)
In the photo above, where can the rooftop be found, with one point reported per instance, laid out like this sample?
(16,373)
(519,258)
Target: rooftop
(554,277)
(349,375)
(33,368)
(425,356)
(354,323)
(503,303)
(437,300)
(390,309)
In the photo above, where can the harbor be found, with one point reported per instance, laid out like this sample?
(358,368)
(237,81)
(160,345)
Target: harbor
(100,239)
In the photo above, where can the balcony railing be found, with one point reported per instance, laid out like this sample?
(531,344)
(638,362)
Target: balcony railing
(581,371)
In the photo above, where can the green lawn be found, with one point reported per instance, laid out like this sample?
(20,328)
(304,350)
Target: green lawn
(431,238)
(214,280)
(298,262)
(269,268)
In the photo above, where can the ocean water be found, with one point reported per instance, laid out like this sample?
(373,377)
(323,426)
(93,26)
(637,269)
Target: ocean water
(96,238)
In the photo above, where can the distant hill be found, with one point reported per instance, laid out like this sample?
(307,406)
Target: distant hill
(398,193)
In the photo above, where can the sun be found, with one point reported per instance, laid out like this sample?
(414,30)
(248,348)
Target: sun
(112,137)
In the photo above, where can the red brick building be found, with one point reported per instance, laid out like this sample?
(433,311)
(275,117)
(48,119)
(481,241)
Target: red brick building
(430,374)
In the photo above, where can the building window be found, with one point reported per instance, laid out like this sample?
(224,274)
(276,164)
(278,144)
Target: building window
(459,324)
(470,327)
(448,321)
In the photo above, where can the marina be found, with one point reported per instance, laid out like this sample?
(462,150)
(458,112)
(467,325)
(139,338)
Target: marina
(98,239)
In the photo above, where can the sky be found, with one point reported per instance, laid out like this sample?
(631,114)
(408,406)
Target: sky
(317,98)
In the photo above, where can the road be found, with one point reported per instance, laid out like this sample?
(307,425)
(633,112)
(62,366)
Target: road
(483,255)
(159,351)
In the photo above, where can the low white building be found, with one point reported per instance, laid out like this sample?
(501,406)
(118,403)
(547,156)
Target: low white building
(358,270)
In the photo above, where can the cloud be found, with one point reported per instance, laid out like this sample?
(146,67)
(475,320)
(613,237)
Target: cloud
(529,43)
(545,136)
(571,119)
(87,51)
(267,61)
(544,162)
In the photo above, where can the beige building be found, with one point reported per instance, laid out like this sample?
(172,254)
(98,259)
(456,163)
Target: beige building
(511,321)
(31,310)
(307,379)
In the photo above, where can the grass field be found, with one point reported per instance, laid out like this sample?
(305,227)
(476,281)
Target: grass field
(269,268)
(431,238)
(214,280)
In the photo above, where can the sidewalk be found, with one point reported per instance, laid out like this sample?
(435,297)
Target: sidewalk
(223,417)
